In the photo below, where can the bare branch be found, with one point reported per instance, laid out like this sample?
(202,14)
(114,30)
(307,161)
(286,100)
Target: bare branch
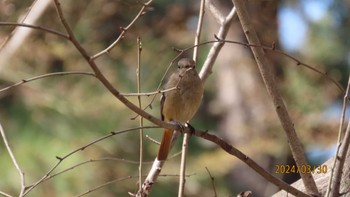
(186,137)
(215,49)
(104,184)
(61,159)
(122,179)
(151,178)
(93,161)
(45,29)
(183,164)
(325,74)
(297,61)
(102,78)
(268,48)
(244,158)
(139,49)
(342,149)
(212,182)
(45,76)
(149,93)
(199,29)
(215,11)
(5,194)
(13,158)
(124,29)
(11,44)
(288,126)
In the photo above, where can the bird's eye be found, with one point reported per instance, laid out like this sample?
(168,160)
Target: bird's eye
(179,67)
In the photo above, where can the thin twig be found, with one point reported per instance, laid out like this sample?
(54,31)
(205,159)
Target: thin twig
(123,179)
(45,29)
(61,159)
(13,158)
(5,194)
(274,49)
(45,76)
(139,49)
(183,165)
(212,182)
(186,137)
(124,29)
(342,149)
(104,184)
(93,161)
(207,71)
(298,62)
(113,133)
(264,67)
(199,29)
(148,93)
(152,140)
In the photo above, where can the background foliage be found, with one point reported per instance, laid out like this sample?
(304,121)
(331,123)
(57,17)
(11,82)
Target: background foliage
(53,116)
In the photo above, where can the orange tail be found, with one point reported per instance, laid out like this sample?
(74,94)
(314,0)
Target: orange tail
(165,145)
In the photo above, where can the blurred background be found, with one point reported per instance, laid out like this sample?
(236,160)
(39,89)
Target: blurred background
(53,116)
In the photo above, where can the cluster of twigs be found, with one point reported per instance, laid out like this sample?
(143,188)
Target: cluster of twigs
(258,51)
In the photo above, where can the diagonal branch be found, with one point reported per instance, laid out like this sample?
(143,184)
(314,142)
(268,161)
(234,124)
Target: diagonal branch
(288,126)
(45,76)
(248,161)
(225,23)
(11,44)
(124,29)
(62,158)
(102,78)
(13,158)
(5,194)
(342,149)
(45,29)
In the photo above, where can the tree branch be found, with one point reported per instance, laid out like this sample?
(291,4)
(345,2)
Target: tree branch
(103,79)
(11,44)
(124,29)
(45,29)
(45,76)
(342,149)
(244,158)
(215,49)
(186,137)
(138,76)
(13,158)
(61,159)
(288,126)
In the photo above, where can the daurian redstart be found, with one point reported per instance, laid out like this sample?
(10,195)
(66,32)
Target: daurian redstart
(182,103)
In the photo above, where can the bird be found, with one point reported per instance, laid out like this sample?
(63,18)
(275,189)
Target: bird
(181,103)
